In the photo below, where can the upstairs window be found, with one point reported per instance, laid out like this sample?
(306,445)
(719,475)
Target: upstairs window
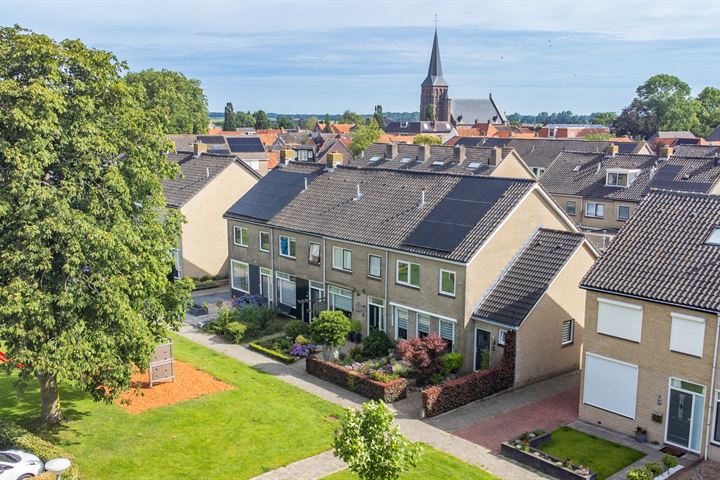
(620,177)
(287,246)
(623,212)
(374,266)
(408,274)
(594,210)
(568,331)
(570,207)
(264,241)
(342,259)
(240,236)
(714,238)
(314,253)
(538,171)
(447,283)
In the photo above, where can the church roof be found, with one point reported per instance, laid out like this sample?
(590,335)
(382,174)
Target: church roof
(435,75)
(468,111)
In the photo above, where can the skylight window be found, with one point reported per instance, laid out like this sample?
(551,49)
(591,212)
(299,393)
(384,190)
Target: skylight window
(438,164)
(474,165)
(577,168)
(406,160)
(375,159)
(714,238)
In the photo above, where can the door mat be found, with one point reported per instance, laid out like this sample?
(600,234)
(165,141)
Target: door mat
(675,452)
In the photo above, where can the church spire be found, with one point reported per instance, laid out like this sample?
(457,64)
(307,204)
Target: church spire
(435,74)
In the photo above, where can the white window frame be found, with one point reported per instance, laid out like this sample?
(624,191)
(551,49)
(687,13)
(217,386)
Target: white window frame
(574,204)
(244,233)
(266,272)
(291,240)
(396,315)
(289,278)
(232,275)
(694,412)
(538,171)
(440,283)
(617,176)
(345,259)
(628,214)
(370,257)
(454,332)
(260,241)
(571,340)
(417,323)
(674,347)
(409,270)
(501,337)
(715,434)
(177,259)
(594,209)
(380,303)
(319,254)
(332,291)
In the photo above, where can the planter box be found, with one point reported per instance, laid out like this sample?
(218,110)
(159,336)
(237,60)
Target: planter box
(669,473)
(357,382)
(545,463)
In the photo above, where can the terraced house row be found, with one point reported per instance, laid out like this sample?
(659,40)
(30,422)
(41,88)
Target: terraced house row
(409,252)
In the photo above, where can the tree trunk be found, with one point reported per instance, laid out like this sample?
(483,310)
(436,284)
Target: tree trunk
(50,400)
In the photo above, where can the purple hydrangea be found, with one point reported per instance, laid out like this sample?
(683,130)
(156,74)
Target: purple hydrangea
(298,350)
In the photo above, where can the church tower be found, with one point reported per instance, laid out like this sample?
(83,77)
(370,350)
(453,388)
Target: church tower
(434,89)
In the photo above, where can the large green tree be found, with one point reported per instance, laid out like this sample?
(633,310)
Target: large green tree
(709,114)
(262,122)
(364,136)
(230,121)
(352,117)
(285,122)
(179,101)
(244,119)
(379,117)
(85,234)
(603,118)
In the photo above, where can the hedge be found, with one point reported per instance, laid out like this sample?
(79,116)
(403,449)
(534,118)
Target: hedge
(475,386)
(273,353)
(13,436)
(357,382)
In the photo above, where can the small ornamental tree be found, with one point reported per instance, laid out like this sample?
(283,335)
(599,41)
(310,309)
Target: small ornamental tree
(330,329)
(424,355)
(371,445)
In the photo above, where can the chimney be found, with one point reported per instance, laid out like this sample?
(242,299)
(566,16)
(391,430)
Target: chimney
(496,156)
(459,153)
(199,148)
(333,159)
(391,151)
(612,150)
(423,153)
(666,151)
(286,155)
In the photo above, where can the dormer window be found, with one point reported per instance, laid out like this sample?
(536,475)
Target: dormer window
(714,238)
(620,177)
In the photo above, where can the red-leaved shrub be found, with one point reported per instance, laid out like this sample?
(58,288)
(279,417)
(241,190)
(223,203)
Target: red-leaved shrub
(423,354)
(468,388)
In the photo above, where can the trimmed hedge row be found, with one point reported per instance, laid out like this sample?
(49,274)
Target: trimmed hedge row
(468,388)
(357,382)
(272,353)
(12,436)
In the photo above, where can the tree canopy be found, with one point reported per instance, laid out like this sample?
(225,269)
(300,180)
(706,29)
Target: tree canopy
(179,101)
(364,136)
(379,117)
(425,139)
(85,234)
(352,117)
(244,119)
(230,122)
(262,122)
(285,122)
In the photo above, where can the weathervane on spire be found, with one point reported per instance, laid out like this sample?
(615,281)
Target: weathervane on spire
(436,21)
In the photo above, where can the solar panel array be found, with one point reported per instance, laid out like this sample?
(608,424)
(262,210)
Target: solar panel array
(271,195)
(212,139)
(665,179)
(451,220)
(245,144)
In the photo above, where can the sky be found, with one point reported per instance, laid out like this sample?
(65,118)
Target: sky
(317,56)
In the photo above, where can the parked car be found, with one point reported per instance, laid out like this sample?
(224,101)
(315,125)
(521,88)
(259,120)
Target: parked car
(19,465)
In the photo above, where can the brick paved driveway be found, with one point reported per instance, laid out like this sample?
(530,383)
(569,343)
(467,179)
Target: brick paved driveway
(547,414)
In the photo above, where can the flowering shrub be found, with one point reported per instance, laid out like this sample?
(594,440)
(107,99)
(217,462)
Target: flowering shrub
(257,300)
(389,390)
(300,350)
(424,355)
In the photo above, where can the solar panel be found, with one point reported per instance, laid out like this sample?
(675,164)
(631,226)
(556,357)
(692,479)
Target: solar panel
(211,139)
(271,194)
(245,144)
(450,221)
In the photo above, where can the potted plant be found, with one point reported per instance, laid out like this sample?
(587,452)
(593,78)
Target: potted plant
(640,435)
(355,329)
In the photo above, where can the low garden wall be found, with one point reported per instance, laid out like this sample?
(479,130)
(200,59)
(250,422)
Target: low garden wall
(475,386)
(545,463)
(357,382)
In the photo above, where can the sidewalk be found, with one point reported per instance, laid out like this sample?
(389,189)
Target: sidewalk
(415,429)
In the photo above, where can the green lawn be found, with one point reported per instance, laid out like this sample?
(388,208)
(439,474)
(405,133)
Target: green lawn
(261,425)
(600,456)
(433,464)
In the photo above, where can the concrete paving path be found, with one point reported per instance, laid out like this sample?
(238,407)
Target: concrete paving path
(415,429)
(310,468)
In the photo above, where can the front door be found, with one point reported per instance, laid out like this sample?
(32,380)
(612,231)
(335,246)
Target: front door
(482,349)
(376,316)
(265,286)
(316,297)
(685,413)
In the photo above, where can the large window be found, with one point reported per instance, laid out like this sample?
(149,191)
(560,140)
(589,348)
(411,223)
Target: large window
(568,332)
(374,266)
(240,236)
(687,334)
(623,212)
(240,276)
(600,374)
(401,322)
(620,319)
(617,179)
(408,273)
(447,331)
(342,259)
(264,241)
(286,293)
(287,246)
(314,253)
(340,299)
(447,283)
(423,325)
(570,207)
(594,210)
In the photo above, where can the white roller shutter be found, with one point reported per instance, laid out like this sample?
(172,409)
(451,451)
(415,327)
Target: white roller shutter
(687,334)
(286,292)
(619,319)
(610,385)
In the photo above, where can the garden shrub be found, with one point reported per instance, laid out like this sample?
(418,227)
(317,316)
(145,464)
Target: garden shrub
(256,316)
(377,344)
(13,436)
(235,331)
(330,328)
(285,358)
(355,326)
(424,355)
(670,461)
(358,382)
(356,353)
(225,316)
(468,388)
(282,344)
(452,362)
(654,468)
(436,378)
(639,474)
(302,340)
(296,328)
